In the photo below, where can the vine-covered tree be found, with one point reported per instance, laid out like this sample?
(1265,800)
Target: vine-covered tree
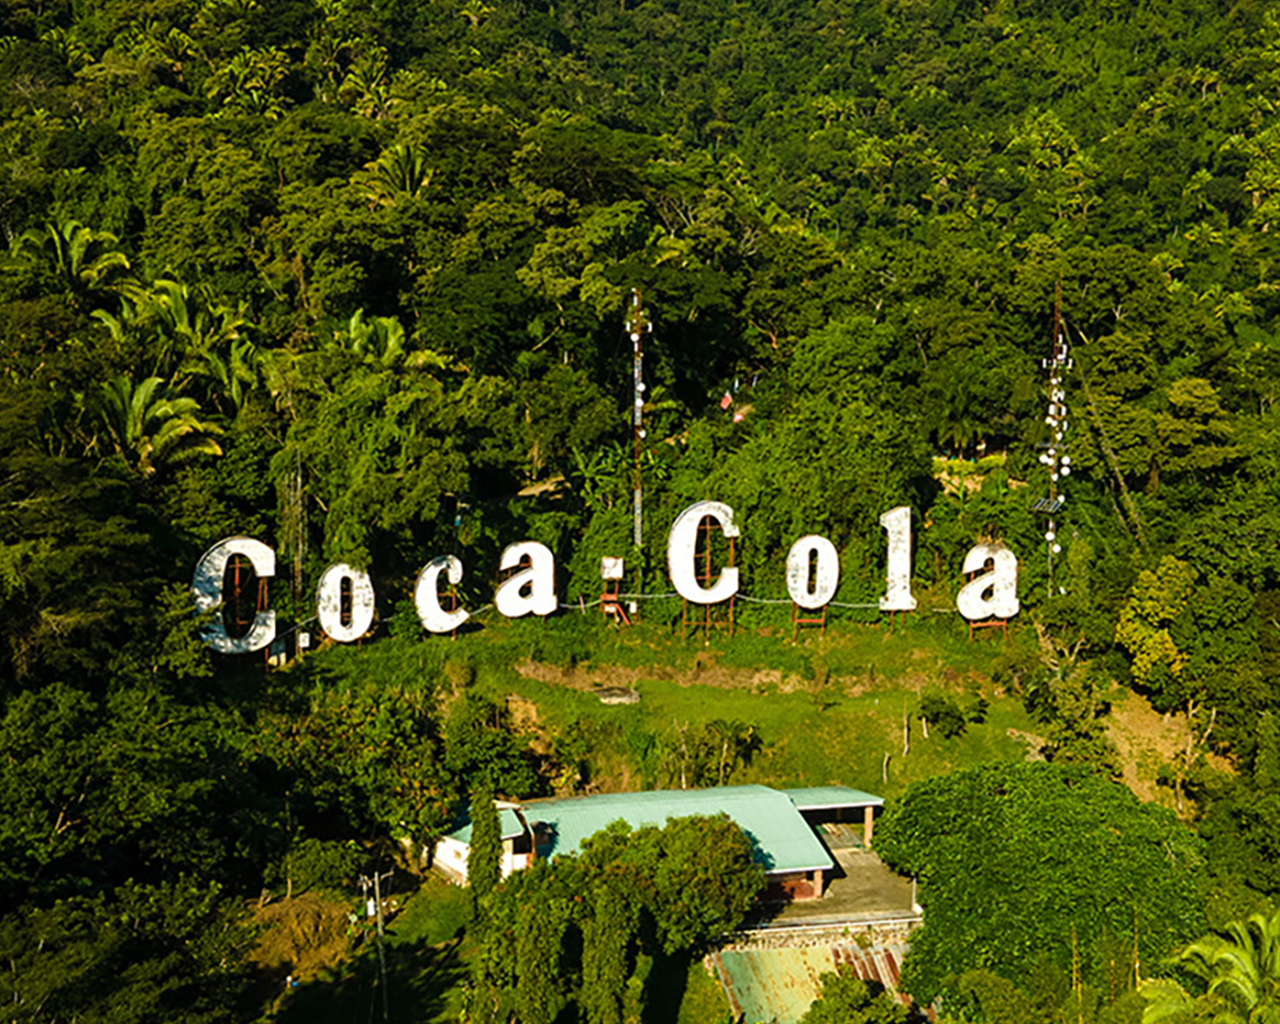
(1026,864)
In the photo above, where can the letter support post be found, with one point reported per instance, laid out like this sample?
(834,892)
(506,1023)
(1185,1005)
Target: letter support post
(707,575)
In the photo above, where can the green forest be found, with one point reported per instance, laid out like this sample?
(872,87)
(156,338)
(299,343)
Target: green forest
(353,279)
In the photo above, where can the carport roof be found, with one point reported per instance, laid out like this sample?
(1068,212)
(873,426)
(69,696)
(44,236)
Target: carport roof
(821,798)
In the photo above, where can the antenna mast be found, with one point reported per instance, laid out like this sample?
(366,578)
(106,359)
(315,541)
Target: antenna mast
(638,325)
(1056,458)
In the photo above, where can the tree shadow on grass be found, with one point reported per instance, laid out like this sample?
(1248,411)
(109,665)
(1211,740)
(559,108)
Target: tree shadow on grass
(419,979)
(665,989)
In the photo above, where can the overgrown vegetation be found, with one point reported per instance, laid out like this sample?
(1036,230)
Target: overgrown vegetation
(351,279)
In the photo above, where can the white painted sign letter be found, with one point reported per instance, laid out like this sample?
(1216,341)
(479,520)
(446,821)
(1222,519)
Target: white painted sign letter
(826,577)
(897,596)
(533,588)
(426,595)
(329,602)
(994,593)
(206,585)
(682,543)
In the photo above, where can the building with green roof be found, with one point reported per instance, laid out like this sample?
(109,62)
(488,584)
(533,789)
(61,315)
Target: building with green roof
(777,822)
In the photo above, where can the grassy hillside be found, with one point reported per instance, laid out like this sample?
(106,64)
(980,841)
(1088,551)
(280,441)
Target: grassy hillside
(844,708)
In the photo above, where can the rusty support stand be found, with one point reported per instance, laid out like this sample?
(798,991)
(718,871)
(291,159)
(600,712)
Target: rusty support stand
(798,620)
(709,620)
(450,598)
(1000,624)
(611,603)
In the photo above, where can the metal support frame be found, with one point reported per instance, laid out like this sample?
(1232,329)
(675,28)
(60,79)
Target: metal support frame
(798,620)
(989,623)
(235,568)
(449,604)
(992,623)
(709,618)
(611,603)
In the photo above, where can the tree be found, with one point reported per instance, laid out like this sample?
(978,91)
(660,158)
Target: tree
(1241,826)
(148,428)
(482,750)
(737,741)
(484,856)
(1239,969)
(705,881)
(944,712)
(651,893)
(540,985)
(382,447)
(1159,598)
(608,937)
(92,789)
(1049,996)
(363,754)
(78,258)
(160,952)
(844,998)
(1022,864)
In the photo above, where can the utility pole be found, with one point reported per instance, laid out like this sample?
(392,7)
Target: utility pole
(376,882)
(638,325)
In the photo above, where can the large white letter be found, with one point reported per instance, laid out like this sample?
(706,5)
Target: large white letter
(1001,582)
(826,578)
(897,597)
(533,588)
(682,545)
(426,595)
(329,602)
(206,584)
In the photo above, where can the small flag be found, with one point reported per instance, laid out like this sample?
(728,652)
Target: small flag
(726,401)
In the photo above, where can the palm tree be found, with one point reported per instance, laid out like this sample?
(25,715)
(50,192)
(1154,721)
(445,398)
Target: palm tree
(401,172)
(232,372)
(379,339)
(148,428)
(194,318)
(175,322)
(1240,967)
(151,41)
(251,82)
(367,85)
(68,49)
(600,475)
(475,12)
(81,259)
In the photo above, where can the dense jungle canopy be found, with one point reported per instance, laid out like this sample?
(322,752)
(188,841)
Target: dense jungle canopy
(351,278)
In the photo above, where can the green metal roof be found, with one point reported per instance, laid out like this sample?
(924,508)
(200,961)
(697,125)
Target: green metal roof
(782,839)
(814,798)
(508,820)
